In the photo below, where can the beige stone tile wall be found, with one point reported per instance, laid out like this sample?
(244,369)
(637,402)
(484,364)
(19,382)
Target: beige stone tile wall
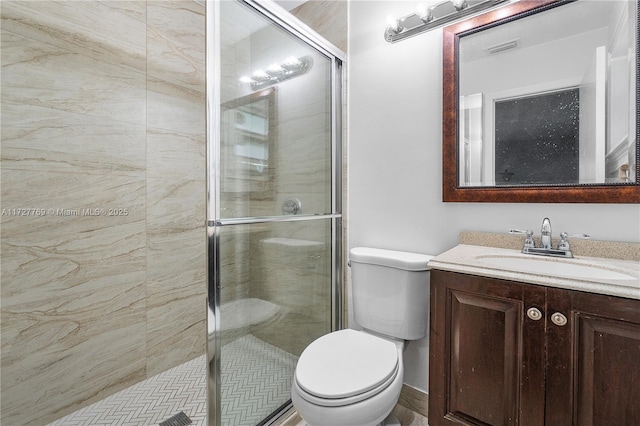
(176,183)
(103,107)
(329,18)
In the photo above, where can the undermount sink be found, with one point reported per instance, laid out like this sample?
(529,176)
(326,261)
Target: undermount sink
(553,267)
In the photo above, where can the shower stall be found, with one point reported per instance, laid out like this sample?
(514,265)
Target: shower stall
(274,204)
(171,215)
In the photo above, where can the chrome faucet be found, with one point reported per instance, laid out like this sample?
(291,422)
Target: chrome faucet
(545,234)
(546,248)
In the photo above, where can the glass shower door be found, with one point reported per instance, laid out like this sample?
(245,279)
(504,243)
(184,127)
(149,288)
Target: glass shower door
(274,207)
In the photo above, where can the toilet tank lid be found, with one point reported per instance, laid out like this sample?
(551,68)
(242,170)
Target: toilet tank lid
(390,258)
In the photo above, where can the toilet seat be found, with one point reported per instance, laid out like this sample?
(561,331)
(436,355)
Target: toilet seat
(345,367)
(339,402)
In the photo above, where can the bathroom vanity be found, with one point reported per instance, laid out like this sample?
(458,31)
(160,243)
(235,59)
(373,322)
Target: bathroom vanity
(518,339)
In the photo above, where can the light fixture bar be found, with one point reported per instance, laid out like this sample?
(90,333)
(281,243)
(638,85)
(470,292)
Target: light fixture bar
(435,16)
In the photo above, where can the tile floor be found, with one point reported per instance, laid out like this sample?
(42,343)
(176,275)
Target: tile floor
(256,381)
(151,401)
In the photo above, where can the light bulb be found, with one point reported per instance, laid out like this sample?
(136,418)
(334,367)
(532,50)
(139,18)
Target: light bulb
(459,4)
(260,75)
(274,68)
(292,61)
(394,24)
(291,64)
(424,13)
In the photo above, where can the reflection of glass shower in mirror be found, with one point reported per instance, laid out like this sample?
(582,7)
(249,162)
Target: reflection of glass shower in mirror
(589,45)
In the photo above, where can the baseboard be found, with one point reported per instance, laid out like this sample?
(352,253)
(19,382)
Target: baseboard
(415,400)
(290,418)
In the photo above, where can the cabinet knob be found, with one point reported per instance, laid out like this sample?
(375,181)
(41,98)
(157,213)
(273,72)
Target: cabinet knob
(559,319)
(534,314)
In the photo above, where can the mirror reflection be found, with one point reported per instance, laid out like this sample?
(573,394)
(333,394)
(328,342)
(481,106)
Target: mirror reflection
(550,99)
(246,143)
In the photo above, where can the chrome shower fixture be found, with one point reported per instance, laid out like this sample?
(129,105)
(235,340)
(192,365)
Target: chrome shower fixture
(428,18)
(277,73)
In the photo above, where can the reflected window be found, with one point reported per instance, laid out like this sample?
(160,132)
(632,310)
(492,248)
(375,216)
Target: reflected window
(537,139)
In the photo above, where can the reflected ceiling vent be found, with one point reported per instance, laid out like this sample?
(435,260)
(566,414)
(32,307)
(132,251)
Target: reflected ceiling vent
(501,47)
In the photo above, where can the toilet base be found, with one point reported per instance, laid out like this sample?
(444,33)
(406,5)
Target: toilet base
(391,420)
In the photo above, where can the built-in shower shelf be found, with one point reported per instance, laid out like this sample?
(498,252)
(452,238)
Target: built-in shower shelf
(242,313)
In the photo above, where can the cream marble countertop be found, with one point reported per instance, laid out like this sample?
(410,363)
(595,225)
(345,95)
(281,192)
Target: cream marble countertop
(468,259)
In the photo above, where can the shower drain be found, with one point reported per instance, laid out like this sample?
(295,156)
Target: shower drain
(180,419)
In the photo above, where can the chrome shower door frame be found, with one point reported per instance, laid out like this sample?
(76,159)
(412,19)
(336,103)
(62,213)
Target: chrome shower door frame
(215,223)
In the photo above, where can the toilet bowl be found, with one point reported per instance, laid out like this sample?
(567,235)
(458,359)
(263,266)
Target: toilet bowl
(354,378)
(348,378)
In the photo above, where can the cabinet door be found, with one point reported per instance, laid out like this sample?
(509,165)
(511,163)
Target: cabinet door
(486,355)
(594,360)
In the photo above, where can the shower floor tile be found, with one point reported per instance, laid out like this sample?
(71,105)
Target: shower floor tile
(256,380)
(151,401)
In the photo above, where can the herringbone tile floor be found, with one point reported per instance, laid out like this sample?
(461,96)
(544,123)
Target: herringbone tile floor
(151,401)
(256,379)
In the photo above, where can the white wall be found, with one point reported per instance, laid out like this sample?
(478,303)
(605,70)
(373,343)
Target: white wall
(395,154)
(555,64)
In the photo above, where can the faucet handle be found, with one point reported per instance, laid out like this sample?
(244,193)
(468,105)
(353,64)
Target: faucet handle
(528,242)
(564,243)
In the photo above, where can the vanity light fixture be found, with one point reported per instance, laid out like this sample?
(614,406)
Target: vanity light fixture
(427,18)
(277,73)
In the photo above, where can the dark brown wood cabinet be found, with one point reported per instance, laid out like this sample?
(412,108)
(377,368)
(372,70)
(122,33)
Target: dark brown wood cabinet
(508,353)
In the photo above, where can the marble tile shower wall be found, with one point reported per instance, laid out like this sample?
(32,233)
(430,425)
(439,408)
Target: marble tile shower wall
(103,107)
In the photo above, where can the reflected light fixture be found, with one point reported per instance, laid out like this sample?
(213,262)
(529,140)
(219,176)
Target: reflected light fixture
(278,72)
(427,18)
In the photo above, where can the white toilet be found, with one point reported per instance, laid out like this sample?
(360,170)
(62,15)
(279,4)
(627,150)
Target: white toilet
(354,378)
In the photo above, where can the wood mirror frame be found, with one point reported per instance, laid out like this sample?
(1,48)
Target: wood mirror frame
(451,192)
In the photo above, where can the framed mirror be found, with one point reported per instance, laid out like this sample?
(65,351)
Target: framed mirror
(540,104)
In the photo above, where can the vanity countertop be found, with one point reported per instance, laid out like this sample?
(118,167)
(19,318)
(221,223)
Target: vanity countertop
(616,277)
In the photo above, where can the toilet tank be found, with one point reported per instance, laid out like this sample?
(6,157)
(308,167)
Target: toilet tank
(390,291)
